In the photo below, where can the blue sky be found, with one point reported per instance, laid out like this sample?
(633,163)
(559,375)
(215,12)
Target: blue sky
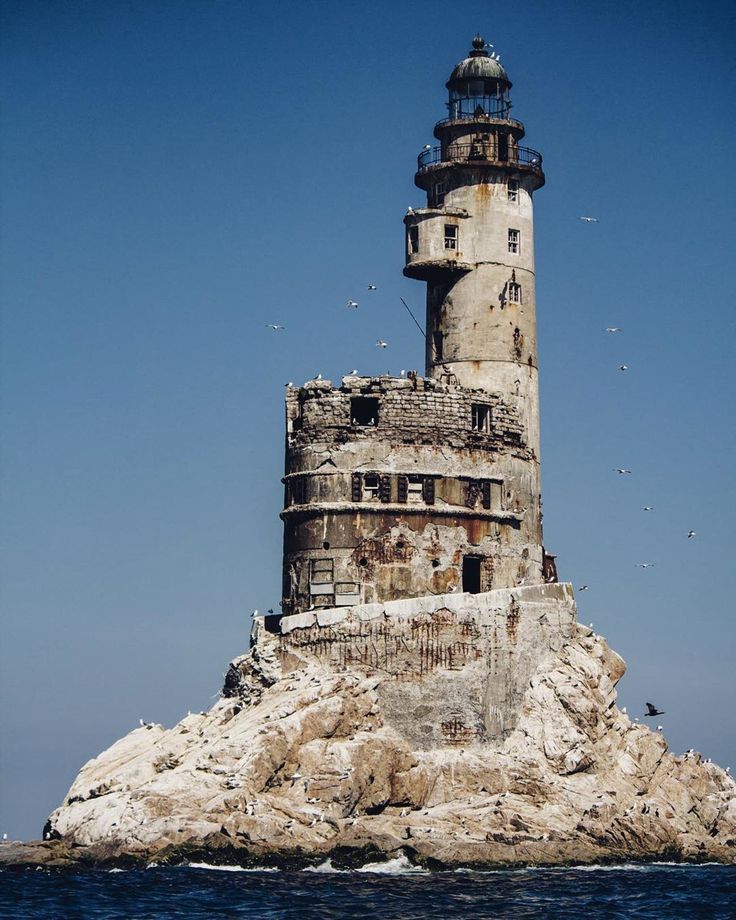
(177,174)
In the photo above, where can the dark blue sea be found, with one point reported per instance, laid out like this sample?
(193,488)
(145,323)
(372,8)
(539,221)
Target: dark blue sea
(659,892)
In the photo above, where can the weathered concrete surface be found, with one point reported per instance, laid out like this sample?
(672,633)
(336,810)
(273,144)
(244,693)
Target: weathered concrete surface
(303,761)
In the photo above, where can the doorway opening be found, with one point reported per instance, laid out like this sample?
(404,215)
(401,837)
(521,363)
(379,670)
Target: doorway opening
(471,574)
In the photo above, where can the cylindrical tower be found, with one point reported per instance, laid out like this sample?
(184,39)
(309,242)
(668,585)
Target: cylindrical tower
(474,244)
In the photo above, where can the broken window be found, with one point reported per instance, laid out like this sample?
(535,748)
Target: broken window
(364,410)
(514,241)
(371,485)
(438,194)
(513,292)
(437,338)
(512,189)
(298,490)
(413,239)
(481,418)
(450,236)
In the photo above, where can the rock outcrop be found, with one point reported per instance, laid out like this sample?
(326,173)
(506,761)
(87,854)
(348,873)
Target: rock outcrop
(305,758)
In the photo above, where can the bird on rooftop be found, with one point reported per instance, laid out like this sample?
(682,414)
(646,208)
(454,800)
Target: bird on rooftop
(652,710)
(145,724)
(660,728)
(274,326)
(623,367)
(590,220)
(690,534)
(623,709)
(644,565)
(353,304)
(353,372)
(372,287)
(647,508)
(410,210)
(318,377)
(427,146)
(381,344)
(613,329)
(621,470)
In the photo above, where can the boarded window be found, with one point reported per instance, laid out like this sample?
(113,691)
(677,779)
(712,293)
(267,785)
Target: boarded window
(402,489)
(385,489)
(413,245)
(357,487)
(481,418)
(322,571)
(450,236)
(428,490)
(364,410)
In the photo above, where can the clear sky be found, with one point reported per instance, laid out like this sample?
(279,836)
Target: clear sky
(177,174)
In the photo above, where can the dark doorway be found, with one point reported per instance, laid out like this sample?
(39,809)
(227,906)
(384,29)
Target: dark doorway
(503,147)
(471,574)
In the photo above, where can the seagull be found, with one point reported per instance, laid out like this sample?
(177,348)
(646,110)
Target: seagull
(381,344)
(583,588)
(274,326)
(410,210)
(660,728)
(619,470)
(623,709)
(353,372)
(613,329)
(353,304)
(690,534)
(653,711)
(590,220)
(427,146)
(647,508)
(372,287)
(318,377)
(623,367)
(644,565)
(145,724)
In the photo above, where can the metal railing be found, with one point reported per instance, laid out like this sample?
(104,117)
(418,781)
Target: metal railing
(481,152)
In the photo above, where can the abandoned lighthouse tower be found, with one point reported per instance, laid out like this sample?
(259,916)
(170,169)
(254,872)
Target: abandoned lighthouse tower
(406,487)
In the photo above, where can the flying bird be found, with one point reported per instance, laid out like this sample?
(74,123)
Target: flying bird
(353,304)
(274,326)
(372,287)
(619,470)
(653,711)
(690,534)
(590,220)
(583,588)
(623,367)
(381,344)
(647,508)
(644,565)
(613,329)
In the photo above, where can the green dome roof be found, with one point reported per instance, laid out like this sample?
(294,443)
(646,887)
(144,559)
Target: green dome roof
(479,65)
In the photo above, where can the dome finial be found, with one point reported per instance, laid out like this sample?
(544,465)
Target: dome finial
(479,46)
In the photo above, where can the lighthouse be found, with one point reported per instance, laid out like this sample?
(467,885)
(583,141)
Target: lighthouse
(405,487)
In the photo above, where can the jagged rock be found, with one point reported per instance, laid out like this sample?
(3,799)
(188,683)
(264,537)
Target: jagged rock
(299,761)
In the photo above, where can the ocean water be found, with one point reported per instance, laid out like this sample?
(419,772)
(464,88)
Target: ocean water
(385,890)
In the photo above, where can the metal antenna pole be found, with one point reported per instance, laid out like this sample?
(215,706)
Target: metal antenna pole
(424,334)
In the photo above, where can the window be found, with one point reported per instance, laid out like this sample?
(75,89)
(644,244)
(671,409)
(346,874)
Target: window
(371,485)
(513,292)
(513,189)
(357,487)
(415,489)
(514,241)
(384,489)
(322,572)
(481,418)
(428,490)
(437,338)
(364,410)
(485,492)
(471,574)
(413,239)
(299,490)
(450,236)
(402,489)
(438,194)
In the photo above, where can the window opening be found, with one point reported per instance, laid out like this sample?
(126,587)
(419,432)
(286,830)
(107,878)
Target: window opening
(485,491)
(371,485)
(437,341)
(413,239)
(299,490)
(514,241)
(513,189)
(364,410)
(503,146)
(450,236)
(439,194)
(481,418)
(471,574)
(514,292)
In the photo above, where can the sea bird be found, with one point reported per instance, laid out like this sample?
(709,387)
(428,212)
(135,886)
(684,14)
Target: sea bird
(613,329)
(583,588)
(690,534)
(620,470)
(623,367)
(653,711)
(381,344)
(647,508)
(590,220)
(353,304)
(644,565)
(274,326)
(372,287)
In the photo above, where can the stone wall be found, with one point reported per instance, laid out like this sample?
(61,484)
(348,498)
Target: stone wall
(458,664)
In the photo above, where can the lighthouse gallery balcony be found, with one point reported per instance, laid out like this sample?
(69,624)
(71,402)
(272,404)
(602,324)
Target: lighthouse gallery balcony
(481,152)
